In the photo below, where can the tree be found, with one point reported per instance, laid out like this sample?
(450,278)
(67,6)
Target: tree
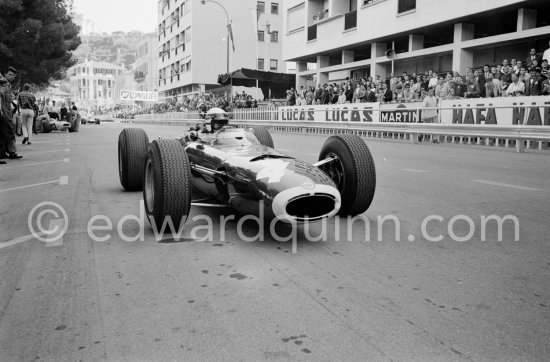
(37,37)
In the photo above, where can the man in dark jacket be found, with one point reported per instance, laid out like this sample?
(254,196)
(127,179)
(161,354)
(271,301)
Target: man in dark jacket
(7,132)
(533,86)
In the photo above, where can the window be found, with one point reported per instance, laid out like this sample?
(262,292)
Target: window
(260,63)
(189,66)
(275,37)
(405,5)
(260,35)
(295,18)
(188,34)
(274,8)
(273,64)
(260,7)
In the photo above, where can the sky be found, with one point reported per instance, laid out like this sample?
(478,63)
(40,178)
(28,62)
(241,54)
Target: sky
(123,15)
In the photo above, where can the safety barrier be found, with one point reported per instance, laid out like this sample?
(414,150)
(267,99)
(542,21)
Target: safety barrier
(481,127)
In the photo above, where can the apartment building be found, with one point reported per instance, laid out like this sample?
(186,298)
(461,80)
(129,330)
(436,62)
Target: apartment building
(193,47)
(143,75)
(334,40)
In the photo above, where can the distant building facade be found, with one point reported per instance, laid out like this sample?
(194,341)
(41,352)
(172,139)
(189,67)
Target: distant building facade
(93,83)
(144,73)
(192,42)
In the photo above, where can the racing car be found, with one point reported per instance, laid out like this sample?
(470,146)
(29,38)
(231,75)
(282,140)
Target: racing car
(45,124)
(237,168)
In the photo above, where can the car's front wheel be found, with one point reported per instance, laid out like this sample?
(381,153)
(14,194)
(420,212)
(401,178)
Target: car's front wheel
(167,185)
(132,153)
(263,136)
(352,170)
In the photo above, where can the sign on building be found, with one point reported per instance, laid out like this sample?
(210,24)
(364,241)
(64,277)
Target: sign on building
(130,95)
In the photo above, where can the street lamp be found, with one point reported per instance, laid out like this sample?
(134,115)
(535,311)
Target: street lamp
(228,25)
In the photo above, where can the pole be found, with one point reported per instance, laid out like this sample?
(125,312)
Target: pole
(257,55)
(231,88)
(228,24)
(392,66)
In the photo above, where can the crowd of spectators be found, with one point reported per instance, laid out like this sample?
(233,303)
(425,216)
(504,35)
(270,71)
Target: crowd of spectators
(198,103)
(514,78)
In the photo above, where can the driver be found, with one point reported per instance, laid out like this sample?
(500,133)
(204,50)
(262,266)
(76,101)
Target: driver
(219,120)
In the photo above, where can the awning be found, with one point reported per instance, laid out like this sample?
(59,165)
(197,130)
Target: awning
(277,83)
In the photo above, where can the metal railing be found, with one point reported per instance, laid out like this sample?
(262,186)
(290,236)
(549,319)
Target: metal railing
(307,121)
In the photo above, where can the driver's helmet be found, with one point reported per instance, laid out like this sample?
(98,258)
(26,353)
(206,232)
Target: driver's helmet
(218,121)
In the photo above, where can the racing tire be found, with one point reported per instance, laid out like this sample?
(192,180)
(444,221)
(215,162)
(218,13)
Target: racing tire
(76,123)
(167,185)
(132,153)
(263,136)
(46,126)
(353,172)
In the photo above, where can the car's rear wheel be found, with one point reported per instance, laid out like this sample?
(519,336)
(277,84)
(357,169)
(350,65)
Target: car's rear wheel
(167,185)
(263,136)
(352,171)
(132,153)
(46,126)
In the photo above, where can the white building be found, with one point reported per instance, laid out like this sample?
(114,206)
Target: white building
(144,73)
(93,83)
(334,40)
(193,42)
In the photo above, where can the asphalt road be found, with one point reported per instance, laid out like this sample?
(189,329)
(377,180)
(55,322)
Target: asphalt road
(351,297)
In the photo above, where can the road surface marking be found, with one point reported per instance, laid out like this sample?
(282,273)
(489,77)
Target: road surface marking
(65,150)
(19,240)
(414,170)
(63,180)
(34,164)
(492,183)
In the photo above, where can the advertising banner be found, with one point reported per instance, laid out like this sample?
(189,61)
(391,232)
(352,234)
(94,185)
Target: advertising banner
(497,111)
(352,112)
(400,112)
(130,95)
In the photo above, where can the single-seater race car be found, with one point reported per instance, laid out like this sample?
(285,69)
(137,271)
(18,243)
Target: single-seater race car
(46,124)
(241,169)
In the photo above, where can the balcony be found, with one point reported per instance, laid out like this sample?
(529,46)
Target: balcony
(312,32)
(350,20)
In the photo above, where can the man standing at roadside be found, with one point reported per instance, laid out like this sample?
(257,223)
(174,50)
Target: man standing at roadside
(429,111)
(7,132)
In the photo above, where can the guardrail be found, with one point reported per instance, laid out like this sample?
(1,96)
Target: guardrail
(519,136)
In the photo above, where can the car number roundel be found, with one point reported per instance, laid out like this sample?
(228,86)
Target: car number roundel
(273,172)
